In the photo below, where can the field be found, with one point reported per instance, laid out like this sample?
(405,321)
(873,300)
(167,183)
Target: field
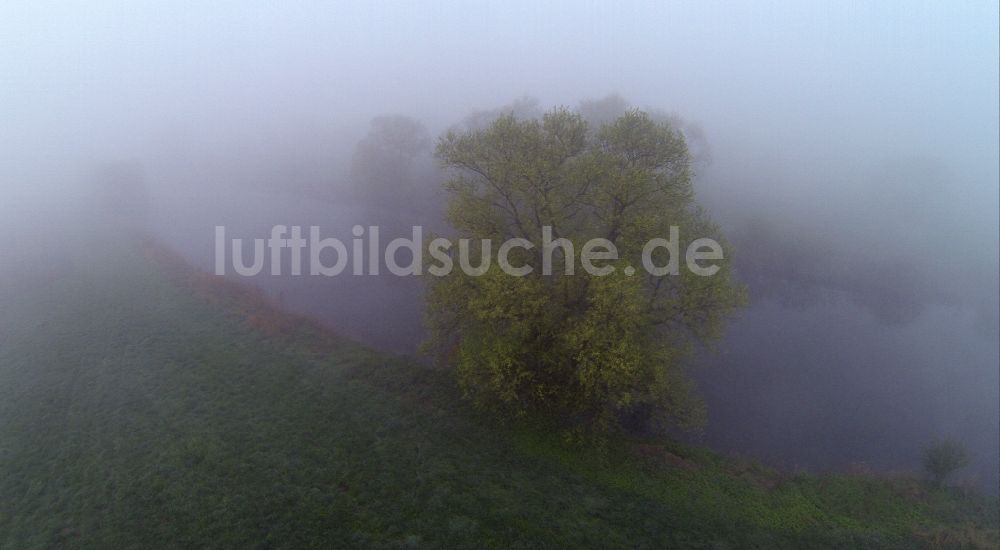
(144,405)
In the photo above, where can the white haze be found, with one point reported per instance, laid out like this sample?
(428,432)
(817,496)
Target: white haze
(862,138)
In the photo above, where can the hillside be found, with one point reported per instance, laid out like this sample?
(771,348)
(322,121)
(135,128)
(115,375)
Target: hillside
(145,405)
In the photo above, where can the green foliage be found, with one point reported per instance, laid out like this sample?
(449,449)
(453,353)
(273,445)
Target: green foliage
(585,350)
(943,458)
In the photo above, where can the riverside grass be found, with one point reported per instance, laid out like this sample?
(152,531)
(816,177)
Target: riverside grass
(145,405)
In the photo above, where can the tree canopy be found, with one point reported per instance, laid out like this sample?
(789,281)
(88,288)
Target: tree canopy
(590,351)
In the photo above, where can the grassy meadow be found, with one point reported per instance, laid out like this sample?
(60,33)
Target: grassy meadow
(144,405)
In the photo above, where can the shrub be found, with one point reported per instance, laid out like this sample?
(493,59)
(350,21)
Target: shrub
(941,459)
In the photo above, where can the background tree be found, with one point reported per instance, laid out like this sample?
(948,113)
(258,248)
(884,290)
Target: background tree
(941,459)
(522,108)
(392,169)
(588,351)
(598,112)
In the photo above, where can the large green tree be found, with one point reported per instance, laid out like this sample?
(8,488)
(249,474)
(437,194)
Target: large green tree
(588,351)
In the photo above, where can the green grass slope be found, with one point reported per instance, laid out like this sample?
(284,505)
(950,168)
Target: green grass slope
(141,408)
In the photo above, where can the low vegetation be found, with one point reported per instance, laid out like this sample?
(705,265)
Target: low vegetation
(143,406)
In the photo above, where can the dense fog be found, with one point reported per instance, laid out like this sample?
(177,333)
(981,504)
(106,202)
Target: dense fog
(850,153)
